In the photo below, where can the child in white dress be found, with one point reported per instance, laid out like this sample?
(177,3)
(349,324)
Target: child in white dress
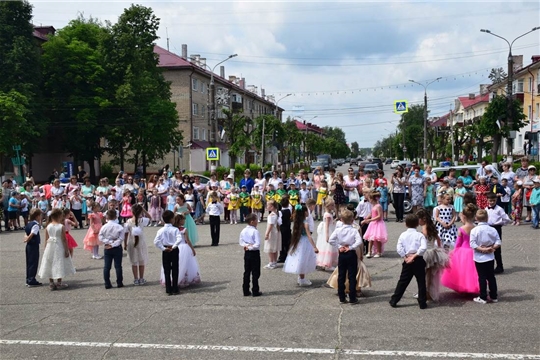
(134,243)
(56,262)
(327,257)
(302,258)
(188,267)
(272,237)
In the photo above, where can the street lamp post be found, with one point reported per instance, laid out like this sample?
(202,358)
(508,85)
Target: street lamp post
(425,113)
(263,126)
(509,86)
(213,98)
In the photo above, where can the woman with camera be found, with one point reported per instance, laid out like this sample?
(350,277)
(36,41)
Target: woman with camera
(398,193)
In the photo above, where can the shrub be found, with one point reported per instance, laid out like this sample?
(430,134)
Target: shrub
(106,170)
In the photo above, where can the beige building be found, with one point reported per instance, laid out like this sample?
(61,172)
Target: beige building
(190,79)
(526,88)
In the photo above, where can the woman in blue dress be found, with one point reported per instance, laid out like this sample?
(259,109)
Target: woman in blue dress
(184,209)
(467,179)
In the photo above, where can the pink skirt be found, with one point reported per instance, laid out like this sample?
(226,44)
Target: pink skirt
(461,275)
(376,231)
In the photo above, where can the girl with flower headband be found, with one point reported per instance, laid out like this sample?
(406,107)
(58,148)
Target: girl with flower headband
(302,258)
(272,236)
(327,258)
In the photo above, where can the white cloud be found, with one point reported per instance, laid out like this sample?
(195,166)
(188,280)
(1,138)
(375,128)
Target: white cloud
(415,40)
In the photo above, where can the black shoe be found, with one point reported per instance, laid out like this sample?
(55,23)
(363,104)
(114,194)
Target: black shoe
(423,306)
(498,270)
(120,285)
(108,287)
(169,293)
(34,284)
(354,302)
(175,293)
(281,261)
(344,301)
(247,293)
(214,245)
(392,304)
(256,294)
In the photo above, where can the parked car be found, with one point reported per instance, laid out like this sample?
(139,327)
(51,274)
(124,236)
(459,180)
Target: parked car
(353,161)
(314,165)
(394,164)
(371,167)
(378,162)
(326,160)
(204,179)
(363,163)
(407,165)
(388,161)
(443,171)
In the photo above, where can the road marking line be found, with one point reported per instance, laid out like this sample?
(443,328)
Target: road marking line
(274,349)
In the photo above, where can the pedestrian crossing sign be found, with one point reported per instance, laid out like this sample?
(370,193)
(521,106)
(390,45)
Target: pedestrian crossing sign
(212,154)
(400,106)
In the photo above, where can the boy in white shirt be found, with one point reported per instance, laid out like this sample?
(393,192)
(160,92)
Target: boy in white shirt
(214,209)
(497,218)
(304,193)
(167,240)
(505,199)
(111,235)
(411,247)
(346,238)
(363,210)
(251,242)
(484,241)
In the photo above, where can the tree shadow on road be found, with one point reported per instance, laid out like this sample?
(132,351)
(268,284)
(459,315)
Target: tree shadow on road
(515,269)
(208,286)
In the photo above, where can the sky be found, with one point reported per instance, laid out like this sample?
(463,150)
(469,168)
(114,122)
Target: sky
(345,63)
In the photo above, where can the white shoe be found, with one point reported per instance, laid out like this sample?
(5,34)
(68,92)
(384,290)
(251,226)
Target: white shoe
(142,281)
(305,282)
(93,256)
(479,300)
(231,222)
(331,268)
(273,265)
(415,296)
(376,256)
(98,257)
(268,266)
(368,255)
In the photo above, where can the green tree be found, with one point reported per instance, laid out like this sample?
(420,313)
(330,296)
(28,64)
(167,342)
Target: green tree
(292,140)
(143,121)
(497,112)
(20,79)
(355,150)
(75,83)
(238,131)
(412,126)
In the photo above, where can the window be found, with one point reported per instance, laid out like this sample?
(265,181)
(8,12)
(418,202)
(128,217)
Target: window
(203,111)
(202,86)
(520,141)
(537,110)
(195,108)
(519,86)
(194,84)
(195,133)
(203,134)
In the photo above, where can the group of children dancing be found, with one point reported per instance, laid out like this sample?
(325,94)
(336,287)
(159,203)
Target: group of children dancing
(339,246)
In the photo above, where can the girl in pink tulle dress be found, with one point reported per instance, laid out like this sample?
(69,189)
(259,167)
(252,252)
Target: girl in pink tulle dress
(376,232)
(461,275)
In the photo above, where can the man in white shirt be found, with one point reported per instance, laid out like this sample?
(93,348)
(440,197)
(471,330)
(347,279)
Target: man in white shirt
(411,247)
(346,238)
(167,240)
(251,242)
(485,241)
(111,234)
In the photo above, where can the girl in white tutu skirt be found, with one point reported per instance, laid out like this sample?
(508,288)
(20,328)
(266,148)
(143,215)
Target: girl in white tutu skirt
(302,258)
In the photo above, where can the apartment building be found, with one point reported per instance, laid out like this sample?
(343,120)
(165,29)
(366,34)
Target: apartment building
(190,79)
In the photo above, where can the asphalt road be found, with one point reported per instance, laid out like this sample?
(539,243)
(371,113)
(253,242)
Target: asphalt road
(214,321)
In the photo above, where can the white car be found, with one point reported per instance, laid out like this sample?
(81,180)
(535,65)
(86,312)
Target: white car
(394,164)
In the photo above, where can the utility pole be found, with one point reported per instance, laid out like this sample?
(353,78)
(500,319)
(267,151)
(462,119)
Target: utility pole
(425,113)
(509,110)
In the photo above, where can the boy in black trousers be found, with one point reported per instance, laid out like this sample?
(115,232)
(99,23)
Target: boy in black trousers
(214,209)
(411,247)
(167,240)
(497,218)
(346,238)
(112,235)
(251,242)
(32,241)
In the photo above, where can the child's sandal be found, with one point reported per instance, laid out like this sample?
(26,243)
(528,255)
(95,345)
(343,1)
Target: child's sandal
(60,286)
(52,286)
